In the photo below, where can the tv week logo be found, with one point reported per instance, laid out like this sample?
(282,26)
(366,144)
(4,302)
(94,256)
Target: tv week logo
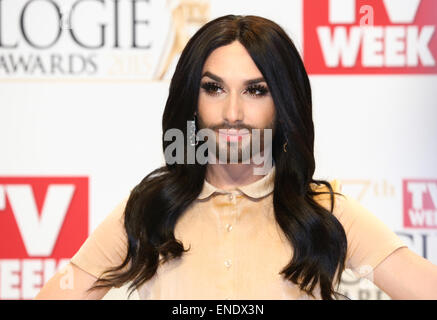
(43,222)
(420,203)
(370,36)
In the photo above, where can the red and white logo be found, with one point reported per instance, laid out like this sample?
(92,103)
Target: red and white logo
(420,203)
(370,36)
(43,222)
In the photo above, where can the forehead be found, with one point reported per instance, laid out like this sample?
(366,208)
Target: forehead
(231,61)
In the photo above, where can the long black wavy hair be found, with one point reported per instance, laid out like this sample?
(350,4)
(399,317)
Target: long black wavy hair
(155,204)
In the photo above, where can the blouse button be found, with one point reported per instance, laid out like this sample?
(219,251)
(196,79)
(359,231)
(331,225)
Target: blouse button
(228,227)
(228,263)
(231,197)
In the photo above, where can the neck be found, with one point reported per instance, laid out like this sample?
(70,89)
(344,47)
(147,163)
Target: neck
(229,176)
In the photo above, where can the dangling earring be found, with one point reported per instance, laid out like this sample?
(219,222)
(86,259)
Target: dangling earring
(193,137)
(284,146)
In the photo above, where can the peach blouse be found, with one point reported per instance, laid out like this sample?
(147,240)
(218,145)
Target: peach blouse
(237,248)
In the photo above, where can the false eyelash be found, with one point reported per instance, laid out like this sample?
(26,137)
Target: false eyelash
(211,87)
(262,89)
(208,86)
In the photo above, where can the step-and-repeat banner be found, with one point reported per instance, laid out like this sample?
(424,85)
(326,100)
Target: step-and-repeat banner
(83,85)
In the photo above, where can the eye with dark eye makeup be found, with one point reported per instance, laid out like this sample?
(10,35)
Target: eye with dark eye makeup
(211,88)
(257,90)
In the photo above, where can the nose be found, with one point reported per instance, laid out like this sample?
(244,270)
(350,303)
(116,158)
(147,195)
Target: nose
(233,110)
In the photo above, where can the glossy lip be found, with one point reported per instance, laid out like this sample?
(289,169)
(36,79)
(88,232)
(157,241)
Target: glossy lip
(232,135)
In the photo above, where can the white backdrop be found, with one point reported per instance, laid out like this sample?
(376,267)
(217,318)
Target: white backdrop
(374,131)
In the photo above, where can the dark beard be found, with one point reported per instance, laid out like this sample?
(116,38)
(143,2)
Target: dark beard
(242,148)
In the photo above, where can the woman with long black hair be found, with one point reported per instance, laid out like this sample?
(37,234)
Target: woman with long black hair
(195,230)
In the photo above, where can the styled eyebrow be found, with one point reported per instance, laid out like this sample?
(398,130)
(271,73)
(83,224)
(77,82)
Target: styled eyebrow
(254,81)
(212,76)
(218,79)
